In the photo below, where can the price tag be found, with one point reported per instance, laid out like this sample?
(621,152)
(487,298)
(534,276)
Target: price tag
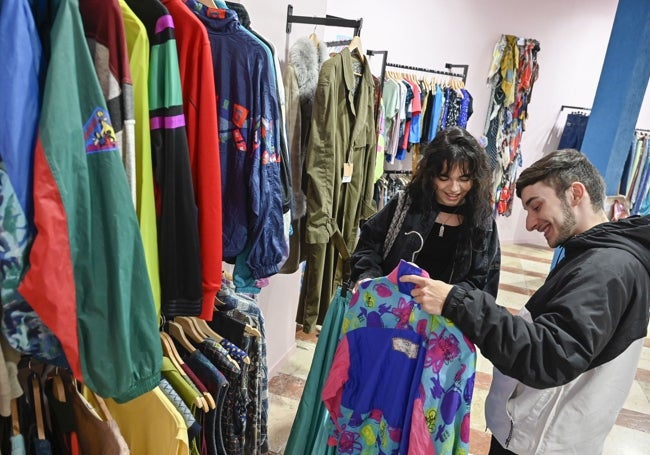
(348,168)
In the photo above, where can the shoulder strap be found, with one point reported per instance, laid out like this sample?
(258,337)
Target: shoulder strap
(339,244)
(403,205)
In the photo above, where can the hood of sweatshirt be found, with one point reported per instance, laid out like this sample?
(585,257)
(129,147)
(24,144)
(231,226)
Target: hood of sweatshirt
(631,234)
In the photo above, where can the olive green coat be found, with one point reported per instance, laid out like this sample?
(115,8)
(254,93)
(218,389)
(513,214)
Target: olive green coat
(342,131)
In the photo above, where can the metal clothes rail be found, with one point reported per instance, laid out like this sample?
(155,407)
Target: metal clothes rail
(462,75)
(328,20)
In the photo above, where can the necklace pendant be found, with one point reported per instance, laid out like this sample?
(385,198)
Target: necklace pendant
(441,232)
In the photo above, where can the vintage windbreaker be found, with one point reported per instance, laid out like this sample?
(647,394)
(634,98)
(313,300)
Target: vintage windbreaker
(401,380)
(178,232)
(87,278)
(200,108)
(249,143)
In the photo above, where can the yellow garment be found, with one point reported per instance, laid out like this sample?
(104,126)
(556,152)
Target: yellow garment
(151,425)
(138,44)
(509,67)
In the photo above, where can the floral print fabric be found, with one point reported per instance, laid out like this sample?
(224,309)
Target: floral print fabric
(438,412)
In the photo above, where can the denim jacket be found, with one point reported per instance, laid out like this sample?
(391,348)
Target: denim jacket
(476,264)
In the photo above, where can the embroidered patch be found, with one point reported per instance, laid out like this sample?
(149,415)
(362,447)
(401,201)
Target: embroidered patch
(406,347)
(98,133)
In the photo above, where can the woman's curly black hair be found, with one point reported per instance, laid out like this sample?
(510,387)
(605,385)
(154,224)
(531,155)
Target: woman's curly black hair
(451,147)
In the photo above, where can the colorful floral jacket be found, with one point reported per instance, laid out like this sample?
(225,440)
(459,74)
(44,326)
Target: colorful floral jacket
(401,380)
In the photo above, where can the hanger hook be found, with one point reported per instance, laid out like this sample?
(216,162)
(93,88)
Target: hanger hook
(421,243)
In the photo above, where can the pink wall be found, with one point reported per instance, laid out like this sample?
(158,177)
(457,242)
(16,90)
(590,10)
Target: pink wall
(573,35)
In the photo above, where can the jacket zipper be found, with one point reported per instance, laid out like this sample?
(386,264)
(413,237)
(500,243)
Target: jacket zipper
(512,424)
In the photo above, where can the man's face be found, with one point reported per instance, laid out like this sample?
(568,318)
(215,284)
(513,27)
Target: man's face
(548,214)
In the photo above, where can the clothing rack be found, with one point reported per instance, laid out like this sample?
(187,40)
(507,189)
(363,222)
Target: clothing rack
(465,69)
(328,20)
(563,107)
(398,171)
(463,76)
(383,66)
(341,42)
(575,107)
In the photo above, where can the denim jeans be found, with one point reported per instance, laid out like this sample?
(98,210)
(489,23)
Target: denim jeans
(574,131)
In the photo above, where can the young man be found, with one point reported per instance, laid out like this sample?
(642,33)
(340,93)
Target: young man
(564,366)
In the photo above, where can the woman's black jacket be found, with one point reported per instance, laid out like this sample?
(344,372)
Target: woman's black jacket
(476,262)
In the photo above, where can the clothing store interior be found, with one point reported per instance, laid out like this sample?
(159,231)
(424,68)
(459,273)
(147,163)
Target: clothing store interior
(190,307)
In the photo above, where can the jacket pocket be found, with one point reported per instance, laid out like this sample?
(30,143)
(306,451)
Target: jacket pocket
(530,411)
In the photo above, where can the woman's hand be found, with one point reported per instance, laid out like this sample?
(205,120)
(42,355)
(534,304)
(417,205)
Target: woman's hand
(430,294)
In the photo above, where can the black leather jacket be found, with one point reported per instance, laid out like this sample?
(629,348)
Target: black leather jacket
(476,263)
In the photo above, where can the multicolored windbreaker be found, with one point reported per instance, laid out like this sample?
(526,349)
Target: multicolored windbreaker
(87,278)
(402,380)
(249,143)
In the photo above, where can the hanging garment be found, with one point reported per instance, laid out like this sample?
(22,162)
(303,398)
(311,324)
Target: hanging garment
(96,435)
(21,325)
(18,445)
(392,102)
(309,433)
(244,310)
(342,137)
(163,431)
(430,379)
(218,386)
(21,90)
(88,242)
(9,386)
(178,379)
(233,415)
(249,143)
(138,45)
(178,234)
(285,162)
(574,131)
(200,109)
(64,438)
(193,427)
(514,70)
(300,79)
(104,29)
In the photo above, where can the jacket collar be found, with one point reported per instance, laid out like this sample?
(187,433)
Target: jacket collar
(365,88)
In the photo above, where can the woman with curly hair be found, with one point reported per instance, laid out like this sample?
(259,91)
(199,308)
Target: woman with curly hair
(442,221)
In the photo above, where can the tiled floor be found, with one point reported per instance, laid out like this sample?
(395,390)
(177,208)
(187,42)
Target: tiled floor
(524,268)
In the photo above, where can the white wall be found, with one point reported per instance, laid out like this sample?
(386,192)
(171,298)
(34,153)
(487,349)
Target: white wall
(573,36)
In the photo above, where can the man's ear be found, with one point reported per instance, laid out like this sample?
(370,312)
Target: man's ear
(577,192)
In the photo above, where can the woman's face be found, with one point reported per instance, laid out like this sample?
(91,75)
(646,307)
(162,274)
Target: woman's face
(452,185)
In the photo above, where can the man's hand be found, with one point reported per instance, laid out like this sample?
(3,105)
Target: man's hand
(430,294)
